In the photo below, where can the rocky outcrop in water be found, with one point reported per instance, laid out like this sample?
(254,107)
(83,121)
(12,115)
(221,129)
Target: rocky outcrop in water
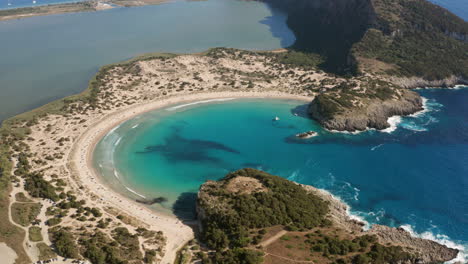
(357,109)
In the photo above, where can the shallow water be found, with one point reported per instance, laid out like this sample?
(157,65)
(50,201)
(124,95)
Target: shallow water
(46,58)
(415,176)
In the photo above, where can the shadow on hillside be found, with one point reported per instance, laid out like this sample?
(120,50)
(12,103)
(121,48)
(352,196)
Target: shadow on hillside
(328,28)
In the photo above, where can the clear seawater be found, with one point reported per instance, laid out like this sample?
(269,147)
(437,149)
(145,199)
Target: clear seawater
(415,176)
(50,57)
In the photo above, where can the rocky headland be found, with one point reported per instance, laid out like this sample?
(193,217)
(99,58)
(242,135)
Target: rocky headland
(228,211)
(355,109)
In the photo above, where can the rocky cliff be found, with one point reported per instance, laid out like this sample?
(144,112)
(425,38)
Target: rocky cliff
(369,105)
(427,251)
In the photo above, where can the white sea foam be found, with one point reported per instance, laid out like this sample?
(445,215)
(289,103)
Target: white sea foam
(356,194)
(347,132)
(293,176)
(132,191)
(135,126)
(198,102)
(376,147)
(118,141)
(410,125)
(460,86)
(441,239)
(116,174)
(393,121)
(424,110)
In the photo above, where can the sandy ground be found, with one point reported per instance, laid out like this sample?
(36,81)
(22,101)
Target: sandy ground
(61,146)
(80,162)
(7,255)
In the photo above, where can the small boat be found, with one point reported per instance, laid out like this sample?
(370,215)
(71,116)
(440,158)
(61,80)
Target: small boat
(276,118)
(295,114)
(307,134)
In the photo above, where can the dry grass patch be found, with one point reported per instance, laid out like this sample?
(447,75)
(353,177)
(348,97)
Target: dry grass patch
(245,185)
(35,234)
(45,252)
(24,213)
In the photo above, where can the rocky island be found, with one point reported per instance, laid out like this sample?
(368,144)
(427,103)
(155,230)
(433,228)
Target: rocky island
(250,216)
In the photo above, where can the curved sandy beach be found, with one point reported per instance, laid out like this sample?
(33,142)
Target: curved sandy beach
(83,172)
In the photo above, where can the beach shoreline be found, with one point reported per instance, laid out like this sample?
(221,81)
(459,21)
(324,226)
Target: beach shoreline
(85,175)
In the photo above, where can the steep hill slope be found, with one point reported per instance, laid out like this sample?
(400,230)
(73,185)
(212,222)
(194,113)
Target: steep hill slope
(398,37)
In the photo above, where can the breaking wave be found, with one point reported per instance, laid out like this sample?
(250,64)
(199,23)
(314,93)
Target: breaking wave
(441,239)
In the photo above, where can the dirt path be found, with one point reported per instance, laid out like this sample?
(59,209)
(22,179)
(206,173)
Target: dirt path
(273,238)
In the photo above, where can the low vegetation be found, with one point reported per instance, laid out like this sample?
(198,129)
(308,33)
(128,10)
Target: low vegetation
(35,234)
(231,225)
(25,213)
(229,219)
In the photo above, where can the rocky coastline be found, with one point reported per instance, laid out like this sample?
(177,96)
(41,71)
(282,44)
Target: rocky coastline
(245,182)
(428,251)
(364,113)
(418,82)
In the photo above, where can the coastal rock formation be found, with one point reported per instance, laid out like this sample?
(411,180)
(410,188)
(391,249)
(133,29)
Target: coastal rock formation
(427,251)
(224,211)
(417,82)
(357,109)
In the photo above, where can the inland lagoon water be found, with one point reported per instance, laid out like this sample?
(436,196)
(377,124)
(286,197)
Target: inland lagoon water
(50,57)
(413,175)
(9,4)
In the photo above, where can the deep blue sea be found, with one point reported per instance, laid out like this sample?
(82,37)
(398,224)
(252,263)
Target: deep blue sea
(414,175)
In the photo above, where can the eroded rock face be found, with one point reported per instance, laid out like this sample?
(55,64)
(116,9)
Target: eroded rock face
(427,251)
(367,113)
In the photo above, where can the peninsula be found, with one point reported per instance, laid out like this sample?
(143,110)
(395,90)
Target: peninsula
(48,150)
(82,6)
(250,216)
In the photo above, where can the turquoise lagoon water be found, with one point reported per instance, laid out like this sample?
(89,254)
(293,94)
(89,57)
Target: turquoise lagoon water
(50,57)
(415,176)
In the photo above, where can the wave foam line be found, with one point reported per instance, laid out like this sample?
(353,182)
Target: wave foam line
(199,102)
(424,110)
(462,256)
(132,191)
(117,142)
(376,147)
(116,174)
(393,121)
(135,126)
